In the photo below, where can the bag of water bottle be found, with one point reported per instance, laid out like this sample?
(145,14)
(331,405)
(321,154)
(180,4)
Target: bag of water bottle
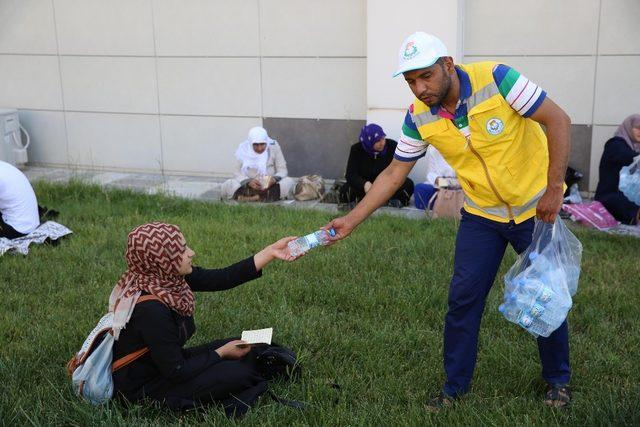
(630,181)
(539,286)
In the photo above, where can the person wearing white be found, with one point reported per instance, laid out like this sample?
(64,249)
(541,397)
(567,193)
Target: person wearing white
(437,169)
(259,158)
(18,204)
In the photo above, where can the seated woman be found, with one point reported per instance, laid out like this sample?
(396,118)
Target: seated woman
(367,159)
(619,151)
(439,174)
(261,171)
(18,205)
(160,264)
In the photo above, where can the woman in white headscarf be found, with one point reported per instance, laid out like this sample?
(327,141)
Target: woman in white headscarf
(619,151)
(260,165)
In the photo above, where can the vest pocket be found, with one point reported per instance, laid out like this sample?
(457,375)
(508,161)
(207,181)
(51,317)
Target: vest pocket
(432,129)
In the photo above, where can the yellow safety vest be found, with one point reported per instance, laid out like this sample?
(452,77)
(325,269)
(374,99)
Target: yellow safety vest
(502,165)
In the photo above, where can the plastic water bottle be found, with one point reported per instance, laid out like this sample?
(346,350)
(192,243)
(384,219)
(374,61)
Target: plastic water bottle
(629,183)
(534,325)
(303,244)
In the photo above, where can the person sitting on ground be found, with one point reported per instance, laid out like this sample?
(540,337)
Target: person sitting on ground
(439,174)
(367,159)
(219,372)
(261,170)
(619,151)
(18,204)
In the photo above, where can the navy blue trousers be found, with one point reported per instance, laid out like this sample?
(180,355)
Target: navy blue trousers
(480,247)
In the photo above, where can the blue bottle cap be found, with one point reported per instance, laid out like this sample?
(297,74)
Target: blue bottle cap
(332,232)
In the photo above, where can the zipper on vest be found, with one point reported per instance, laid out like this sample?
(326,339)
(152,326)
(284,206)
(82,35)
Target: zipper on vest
(486,172)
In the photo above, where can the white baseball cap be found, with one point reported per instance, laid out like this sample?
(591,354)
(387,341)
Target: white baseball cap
(419,50)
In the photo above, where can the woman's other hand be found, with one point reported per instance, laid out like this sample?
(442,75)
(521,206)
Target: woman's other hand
(231,350)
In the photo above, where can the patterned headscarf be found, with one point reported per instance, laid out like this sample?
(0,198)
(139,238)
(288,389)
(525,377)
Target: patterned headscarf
(625,131)
(368,136)
(154,253)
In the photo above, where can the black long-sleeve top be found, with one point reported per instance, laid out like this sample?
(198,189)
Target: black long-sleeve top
(361,167)
(165,332)
(615,156)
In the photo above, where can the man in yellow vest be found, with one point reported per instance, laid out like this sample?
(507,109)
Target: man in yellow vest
(484,118)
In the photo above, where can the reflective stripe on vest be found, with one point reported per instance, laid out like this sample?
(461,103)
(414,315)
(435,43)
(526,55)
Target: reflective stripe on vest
(502,211)
(424,118)
(482,95)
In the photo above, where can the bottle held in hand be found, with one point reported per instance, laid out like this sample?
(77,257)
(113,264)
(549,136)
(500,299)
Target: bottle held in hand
(305,243)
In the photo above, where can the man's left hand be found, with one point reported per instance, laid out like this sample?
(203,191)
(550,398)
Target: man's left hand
(550,204)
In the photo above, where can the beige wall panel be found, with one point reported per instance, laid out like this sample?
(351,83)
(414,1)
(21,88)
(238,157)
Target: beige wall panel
(30,82)
(324,88)
(313,27)
(27,27)
(619,29)
(206,27)
(209,86)
(203,144)
(617,89)
(126,85)
(118,141)
(47,133)
(531,27)
(101,27)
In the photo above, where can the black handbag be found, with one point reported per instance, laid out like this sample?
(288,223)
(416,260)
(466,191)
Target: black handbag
(277,362)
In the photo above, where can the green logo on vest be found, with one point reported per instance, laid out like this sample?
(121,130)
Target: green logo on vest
(495,126)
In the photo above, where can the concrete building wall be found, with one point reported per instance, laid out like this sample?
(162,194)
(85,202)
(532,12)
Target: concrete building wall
(174,85)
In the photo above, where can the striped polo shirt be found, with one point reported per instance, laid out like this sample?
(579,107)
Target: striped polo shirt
(522,94)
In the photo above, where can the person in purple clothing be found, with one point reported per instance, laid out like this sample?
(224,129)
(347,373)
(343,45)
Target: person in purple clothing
(367,159)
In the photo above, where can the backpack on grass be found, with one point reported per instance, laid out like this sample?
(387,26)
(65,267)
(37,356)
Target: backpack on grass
(91,368)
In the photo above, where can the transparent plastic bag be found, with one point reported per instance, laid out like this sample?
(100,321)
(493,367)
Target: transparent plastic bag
(630,181)
(539,286)
(93,379)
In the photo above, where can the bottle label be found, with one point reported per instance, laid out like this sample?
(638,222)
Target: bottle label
(537,310)
(312,240)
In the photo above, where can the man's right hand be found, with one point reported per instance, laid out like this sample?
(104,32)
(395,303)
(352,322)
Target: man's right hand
(255,184)
(342,226)
(387,183)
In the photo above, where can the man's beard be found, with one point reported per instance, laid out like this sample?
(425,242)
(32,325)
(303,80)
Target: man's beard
(436,99)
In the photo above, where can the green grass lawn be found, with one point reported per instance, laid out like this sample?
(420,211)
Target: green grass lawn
(366,313)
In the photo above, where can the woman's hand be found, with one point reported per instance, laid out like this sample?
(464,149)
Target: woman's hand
(231,350)
(367,186)
(255,184)
(277,250)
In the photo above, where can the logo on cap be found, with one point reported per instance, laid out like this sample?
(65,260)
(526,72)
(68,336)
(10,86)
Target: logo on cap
(410,50)
(495,126)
